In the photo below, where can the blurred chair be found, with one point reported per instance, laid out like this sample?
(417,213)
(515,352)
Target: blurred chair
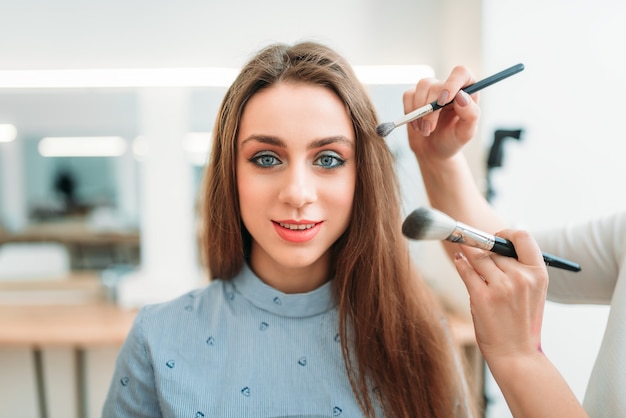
(34,261)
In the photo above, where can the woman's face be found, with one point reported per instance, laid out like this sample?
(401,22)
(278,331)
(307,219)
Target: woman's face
(296,177)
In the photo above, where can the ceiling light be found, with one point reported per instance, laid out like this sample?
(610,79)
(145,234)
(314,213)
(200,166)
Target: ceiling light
(140,147)
(392,74)
(131,77)
(197,145)
(95,146)
(182,77)
(197,142)
(8,132)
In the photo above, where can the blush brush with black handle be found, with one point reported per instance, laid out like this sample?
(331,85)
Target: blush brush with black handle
(430,224)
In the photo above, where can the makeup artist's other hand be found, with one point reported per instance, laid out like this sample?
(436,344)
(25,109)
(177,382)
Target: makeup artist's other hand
(441,134)
(507,298)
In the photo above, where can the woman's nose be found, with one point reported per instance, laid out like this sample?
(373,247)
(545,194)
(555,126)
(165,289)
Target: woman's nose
(298,188)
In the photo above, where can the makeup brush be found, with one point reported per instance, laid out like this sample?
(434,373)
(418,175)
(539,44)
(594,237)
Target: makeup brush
(385,128)
(430,224)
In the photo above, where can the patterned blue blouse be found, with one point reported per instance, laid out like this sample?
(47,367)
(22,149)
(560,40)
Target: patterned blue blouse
(236,348)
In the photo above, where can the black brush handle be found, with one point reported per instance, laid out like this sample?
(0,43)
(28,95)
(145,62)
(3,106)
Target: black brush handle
(479,85)
(505,247)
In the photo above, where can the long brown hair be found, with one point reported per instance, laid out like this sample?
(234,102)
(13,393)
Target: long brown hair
(396,347)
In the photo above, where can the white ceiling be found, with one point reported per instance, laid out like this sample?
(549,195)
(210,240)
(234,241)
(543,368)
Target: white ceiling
(200,33)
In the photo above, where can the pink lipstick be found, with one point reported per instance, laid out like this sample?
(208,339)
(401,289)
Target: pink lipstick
(297,231)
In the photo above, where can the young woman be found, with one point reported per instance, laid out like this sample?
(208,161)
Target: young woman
(314,308)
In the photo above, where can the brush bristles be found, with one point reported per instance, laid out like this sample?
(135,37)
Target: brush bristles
(428,224)
(385,129)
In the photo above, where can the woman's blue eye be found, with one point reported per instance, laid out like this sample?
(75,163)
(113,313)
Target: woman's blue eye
(265,160)
(329,161)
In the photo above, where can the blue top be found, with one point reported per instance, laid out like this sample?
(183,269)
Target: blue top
(235,348)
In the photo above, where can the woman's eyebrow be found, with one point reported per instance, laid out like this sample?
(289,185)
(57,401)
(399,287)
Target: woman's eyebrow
(318,143)
(270,140)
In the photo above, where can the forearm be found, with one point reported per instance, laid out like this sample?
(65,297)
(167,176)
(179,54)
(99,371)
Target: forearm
(533,387)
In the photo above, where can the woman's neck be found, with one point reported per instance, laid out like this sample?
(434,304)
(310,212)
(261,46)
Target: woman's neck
(291,279)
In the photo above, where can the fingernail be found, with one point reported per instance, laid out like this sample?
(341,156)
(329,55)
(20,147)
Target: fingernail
(462,98)
(426,128)
(443,98)
(458,256)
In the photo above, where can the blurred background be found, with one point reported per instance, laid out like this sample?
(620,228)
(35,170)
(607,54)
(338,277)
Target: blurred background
(106,110)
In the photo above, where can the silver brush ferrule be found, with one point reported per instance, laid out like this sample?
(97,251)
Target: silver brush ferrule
(467,235)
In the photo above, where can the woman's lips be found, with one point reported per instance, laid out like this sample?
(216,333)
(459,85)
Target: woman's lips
(301,231)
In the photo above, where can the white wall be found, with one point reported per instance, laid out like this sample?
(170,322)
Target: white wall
(569,165)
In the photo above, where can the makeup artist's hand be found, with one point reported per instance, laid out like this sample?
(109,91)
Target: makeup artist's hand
(507,296)
(441,134)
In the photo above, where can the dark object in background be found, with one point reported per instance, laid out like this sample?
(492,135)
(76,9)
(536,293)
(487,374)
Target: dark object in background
(496,153)
(65,184)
